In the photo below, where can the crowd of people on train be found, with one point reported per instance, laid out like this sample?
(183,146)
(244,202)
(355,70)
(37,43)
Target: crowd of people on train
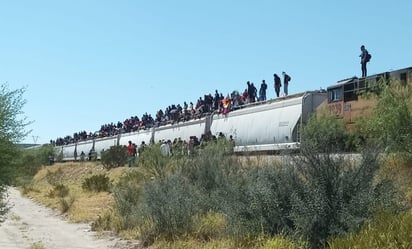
(179,113)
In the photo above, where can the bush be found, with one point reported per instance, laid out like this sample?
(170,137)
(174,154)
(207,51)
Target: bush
(115,157)
(260,202)
(58,190)
(335,195)
(127,195)
(212,171)
(97,183)
(391,122)
(153,162)
(56,177)
(169,205)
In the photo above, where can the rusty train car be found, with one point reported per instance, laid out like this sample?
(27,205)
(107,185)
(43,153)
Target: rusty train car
(345,97)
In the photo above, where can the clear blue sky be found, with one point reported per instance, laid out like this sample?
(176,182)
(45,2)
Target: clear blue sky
(91,62)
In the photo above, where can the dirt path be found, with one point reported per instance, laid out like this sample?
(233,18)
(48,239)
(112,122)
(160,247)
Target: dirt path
(30,225)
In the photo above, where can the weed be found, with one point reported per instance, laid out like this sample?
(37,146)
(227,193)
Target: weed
(37,245)
(66,204)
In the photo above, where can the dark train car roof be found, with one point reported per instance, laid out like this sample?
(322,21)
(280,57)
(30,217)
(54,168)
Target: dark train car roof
(354,78)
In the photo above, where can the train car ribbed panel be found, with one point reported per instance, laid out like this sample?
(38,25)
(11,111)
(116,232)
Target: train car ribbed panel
(136,137)
(84,146)
(101,144)
(68,152)
(183,130)
(264,125)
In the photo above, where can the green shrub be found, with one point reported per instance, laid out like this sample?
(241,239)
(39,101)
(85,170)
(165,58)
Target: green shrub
(127,195)
(169,204)
(153,162)
(335,195)
(97,183)
(212,171)
(260,201)
(114,157)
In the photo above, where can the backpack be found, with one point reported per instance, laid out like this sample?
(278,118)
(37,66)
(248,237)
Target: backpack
(368,57)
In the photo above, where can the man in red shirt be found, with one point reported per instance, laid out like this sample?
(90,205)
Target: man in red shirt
(131,152)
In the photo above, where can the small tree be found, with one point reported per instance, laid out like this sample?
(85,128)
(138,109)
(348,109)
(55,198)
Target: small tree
(11,131)
(336,194)
(391,122)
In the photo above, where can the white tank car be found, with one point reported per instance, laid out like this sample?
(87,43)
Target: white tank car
(68,152)
(268,126)
(84,146)
(101,144)
(136,137)
(182,130)
(263,126)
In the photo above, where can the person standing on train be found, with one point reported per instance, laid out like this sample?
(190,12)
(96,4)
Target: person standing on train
(286,79)
(364,60)
(262,91)
(277,85)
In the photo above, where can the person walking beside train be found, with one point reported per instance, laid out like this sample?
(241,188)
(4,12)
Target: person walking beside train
(365,57)
(286,79)
(131,151)
(277,84)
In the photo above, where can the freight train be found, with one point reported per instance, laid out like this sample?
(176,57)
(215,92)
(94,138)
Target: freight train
(266,126)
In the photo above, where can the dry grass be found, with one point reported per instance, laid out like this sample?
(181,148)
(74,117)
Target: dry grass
(87,206)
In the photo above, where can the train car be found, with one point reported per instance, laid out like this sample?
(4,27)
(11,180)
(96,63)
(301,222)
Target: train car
(345,97)
(85,147)
(182,130)
(263,126)
(102,144)
(137,137)
(68,151)
(268,126)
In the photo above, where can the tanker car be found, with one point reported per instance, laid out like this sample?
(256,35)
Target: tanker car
(264,126)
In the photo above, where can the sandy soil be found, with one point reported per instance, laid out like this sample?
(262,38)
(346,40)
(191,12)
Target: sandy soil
(30,225)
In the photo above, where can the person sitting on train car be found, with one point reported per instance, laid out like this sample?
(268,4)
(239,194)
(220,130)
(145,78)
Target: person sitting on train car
(245,98)
(226,105)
